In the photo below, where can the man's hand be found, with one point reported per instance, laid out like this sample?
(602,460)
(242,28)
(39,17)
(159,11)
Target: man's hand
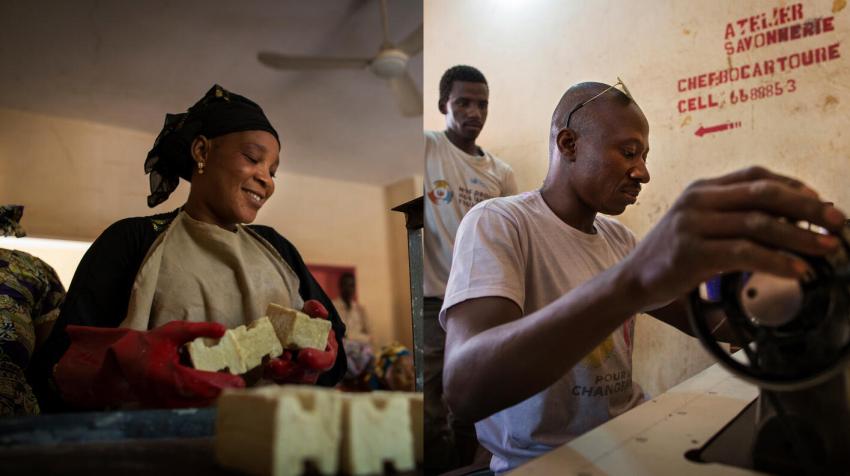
(743,221)
(106,367)
(308,364)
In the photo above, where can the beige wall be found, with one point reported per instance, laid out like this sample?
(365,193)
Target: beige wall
(63,255)
(532,51)
(75,178)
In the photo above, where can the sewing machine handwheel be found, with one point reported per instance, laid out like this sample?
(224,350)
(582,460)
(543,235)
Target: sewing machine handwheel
(747,333)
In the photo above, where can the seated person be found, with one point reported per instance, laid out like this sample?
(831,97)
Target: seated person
(358,342)
(540,303)
(147,285)
(393,370)
(30,295)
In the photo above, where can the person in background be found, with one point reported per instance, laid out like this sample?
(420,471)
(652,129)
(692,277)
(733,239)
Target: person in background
(458,174)
(148,285)
(350,311)
(393,370)
(30,296)
(358,342)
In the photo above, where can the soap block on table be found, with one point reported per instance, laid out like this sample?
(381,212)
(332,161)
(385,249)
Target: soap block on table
(417,415)
(417,428)
(376,429)
(274,430)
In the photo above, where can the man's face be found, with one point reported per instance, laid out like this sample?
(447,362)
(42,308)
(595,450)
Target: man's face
(466,109)
(346,287)
(611,157)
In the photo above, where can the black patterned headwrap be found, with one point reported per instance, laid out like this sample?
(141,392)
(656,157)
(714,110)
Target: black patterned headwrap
(219,112)
(10,218)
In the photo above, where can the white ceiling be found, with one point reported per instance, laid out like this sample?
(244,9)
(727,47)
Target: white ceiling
(127,63)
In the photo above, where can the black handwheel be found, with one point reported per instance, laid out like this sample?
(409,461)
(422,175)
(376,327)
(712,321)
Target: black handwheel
(809,349)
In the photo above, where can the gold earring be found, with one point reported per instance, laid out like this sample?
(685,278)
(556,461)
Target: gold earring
(201,168)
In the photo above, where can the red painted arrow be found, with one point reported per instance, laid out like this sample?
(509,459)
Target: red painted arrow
(720,127)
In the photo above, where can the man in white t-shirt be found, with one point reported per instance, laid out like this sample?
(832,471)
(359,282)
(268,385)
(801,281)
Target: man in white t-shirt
(540,304)
(458,174)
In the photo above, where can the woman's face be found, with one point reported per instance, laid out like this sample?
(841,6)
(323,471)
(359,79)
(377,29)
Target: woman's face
(238,178)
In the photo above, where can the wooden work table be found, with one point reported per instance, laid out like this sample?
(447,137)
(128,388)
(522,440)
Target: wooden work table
(122,443)
(652,439)
(119,442)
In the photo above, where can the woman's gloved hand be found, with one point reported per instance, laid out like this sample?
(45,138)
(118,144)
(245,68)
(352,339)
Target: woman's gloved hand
(305,366)
(107,367)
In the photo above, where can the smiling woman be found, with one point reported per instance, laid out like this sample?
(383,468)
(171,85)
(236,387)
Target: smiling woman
(147,285)
(237,179)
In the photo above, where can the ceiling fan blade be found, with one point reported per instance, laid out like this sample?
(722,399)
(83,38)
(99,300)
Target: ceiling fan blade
(413,43)
(385,22)
(301,63)
(409,98)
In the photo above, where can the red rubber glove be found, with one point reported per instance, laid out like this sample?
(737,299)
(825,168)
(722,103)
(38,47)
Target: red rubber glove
(106,367)
(305,366)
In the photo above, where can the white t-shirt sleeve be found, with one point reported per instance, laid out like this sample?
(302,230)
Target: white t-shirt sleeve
(509,185)
(487,259)
(430,142)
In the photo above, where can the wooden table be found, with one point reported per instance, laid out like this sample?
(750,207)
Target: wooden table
(653,438)
(121,443)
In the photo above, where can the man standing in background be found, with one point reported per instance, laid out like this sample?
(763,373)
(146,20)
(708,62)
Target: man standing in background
(458,174)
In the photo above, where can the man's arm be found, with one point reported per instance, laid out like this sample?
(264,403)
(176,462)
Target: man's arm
(676,315)
(494,359)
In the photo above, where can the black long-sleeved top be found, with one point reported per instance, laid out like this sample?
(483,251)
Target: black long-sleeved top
(100,293)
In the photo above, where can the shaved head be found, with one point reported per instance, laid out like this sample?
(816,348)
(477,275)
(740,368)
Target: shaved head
(587,119)
(584,116)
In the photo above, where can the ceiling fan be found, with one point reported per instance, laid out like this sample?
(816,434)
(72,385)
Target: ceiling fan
(389,63)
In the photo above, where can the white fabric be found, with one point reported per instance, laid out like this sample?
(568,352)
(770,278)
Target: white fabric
(517,248)
(354,320)
(454,182)
(199,272)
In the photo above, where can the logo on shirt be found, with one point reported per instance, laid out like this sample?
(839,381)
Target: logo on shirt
(600,354)
(441,192)
(603,351)
(476,181)
(611,382)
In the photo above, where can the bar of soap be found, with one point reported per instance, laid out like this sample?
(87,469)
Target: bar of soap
(417,428)
(376,429)
(297,330)
(239,350)
(274,430)
(417,416)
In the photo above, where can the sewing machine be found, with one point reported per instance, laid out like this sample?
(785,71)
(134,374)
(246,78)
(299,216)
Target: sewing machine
(795,342)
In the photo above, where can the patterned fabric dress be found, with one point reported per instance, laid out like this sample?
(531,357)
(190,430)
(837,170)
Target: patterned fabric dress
(30,296)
